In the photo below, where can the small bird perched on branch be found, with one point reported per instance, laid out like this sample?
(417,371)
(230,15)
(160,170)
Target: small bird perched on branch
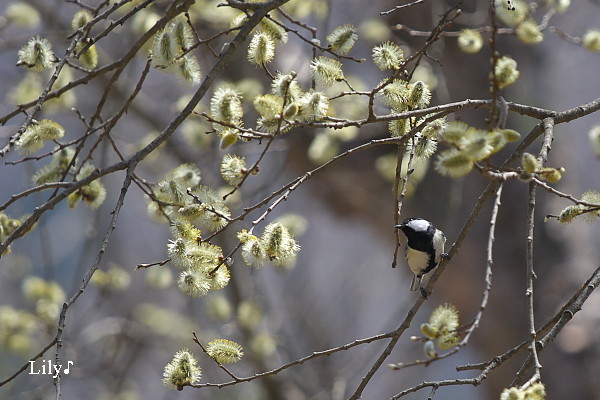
(424,250)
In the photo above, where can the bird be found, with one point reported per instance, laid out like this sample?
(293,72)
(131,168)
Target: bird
(424,250)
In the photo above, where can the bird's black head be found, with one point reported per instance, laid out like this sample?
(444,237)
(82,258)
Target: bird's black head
(419,233)
(415,225)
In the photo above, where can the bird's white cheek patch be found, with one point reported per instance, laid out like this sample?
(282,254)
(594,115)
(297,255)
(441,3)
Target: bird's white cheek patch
(417,260)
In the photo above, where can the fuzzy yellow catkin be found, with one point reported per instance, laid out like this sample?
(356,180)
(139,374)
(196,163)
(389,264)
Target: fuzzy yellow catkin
(37,54)
(36,134)
(253,253)
(477,146)
(453,163)
(228,137)
(183,370)
(445,316)
(89,58)
(49,130)
(419,95)
(290,111)
(514,14)
(568,214)
(510,135)
(189,69)
(185,230)
(551,175)
(273,29)
(470,41)
(326,70)
(529,162)
(497,140)
(388,55)
(186,175)
(220,277)
(80,19)
(511,394)
(183,34)
(261,49)
(529,32)
(226,105)
(537,391)
(94,194)
(425,147)
(454,132)
(278,243)
(233,169)
(224,351)
(394,94)
(313,106)
(506,71)
(429,330)
(164,49)
(593,197)
(591,40)
(194,283)
(343,38)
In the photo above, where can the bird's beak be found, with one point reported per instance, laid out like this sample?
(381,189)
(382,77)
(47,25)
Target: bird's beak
(398,226)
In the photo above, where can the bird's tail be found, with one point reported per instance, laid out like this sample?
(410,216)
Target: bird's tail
(416,282)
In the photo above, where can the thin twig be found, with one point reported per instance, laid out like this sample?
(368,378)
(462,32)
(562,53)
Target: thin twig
(396,193)
(39,188)
(92,269)
(493,117)
(530,277)
(148,265)
(246,133)
(488,266)
(565,36)
(558,193)
(412,3)
(300,361)
(548,127)
(415,32)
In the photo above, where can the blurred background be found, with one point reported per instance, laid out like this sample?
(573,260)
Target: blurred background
(128,323)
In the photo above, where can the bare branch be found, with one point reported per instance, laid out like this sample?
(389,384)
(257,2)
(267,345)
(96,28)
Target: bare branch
(300,361)
(412,3)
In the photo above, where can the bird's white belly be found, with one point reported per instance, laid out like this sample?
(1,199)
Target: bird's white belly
(417,260)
